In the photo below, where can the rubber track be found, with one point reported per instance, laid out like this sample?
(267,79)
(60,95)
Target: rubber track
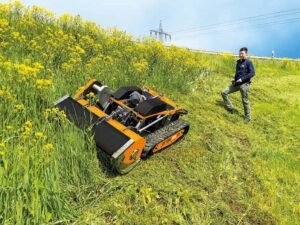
(158,136)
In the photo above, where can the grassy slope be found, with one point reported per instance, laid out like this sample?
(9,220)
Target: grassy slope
(224,172)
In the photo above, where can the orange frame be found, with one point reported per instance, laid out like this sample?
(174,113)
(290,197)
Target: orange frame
(139,141)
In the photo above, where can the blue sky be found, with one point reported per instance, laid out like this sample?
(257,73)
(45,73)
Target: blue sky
(137,17)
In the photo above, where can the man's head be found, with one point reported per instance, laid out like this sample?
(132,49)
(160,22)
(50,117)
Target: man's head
(243,53)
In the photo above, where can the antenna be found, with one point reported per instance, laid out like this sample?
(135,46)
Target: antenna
(160,34)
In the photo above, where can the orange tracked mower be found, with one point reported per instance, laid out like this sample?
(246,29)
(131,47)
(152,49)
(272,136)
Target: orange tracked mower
(129,124)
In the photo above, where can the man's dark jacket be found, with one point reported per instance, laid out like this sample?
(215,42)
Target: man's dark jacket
(244,71)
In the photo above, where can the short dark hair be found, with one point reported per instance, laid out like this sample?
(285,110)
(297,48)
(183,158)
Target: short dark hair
(244,49)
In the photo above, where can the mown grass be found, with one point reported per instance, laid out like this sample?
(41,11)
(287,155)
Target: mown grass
(224,172)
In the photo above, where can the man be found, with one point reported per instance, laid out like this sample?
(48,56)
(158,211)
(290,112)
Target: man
(240,82)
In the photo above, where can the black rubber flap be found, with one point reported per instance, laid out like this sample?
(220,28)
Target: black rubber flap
(108,138)
(77,113)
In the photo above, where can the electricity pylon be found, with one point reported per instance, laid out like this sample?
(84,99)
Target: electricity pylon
(160,34)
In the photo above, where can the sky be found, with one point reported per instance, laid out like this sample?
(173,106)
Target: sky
(137,17)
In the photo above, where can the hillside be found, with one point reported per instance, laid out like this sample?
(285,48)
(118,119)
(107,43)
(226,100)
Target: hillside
(224,172)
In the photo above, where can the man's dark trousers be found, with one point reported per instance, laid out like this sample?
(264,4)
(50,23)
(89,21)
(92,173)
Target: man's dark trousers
(244,89)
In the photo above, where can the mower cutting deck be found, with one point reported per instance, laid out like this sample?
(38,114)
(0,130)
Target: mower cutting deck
(128,124)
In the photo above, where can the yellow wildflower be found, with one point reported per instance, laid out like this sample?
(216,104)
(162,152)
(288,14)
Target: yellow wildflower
(26,131)
(2,145)
(18,37)
(141,66)
(47,112)
(66,66)
(54,113)
(2,154)
(90,95)
(40,135)
(33,44)
(38,66)
(8,65)
(28,123)
(297,209)
(4,26)
(65,18)
(79,50)
(5,94)
(3,44)
(48,147)
(9,127)
(27,128)
(26,71)
(43,83)
(19,107)
(3,23)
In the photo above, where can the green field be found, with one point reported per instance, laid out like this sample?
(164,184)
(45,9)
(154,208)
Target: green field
(223,172)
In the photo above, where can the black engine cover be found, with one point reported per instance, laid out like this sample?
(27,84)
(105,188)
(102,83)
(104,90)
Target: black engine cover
(124,92)
(151,106)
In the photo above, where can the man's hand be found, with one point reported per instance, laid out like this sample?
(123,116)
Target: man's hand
(239,81)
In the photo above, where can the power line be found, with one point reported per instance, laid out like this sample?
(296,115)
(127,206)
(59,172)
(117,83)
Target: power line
(230,24)
(241,20)
(239,28)
(278,22)
(264,16)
